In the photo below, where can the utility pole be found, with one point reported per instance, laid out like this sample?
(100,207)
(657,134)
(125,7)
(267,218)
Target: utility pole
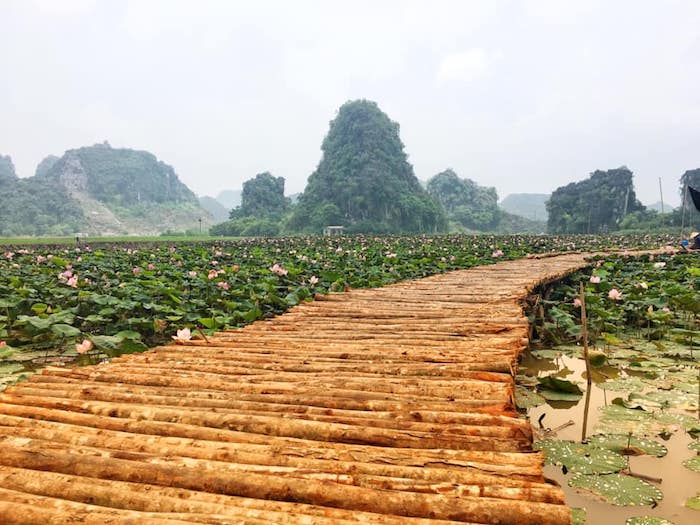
(200,226)
(661,194)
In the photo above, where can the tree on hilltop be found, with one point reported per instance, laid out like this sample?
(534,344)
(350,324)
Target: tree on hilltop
(262,196)
(466,203)
(596,204)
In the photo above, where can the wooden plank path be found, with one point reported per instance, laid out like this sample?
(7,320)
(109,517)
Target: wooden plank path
(381,406)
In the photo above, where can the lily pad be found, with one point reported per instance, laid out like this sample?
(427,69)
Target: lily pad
(694,502)
(618,489)
(695,445)
(615,419)
(526,399)
(581,458)
(624,384)
(578,516)
(692,463)
(629,445)
(559,385)
(553,395)
(647,520)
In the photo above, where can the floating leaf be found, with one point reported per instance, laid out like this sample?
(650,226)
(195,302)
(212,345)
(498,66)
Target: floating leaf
(551,395)
(629,445)
(694,502)
(559,385)
(692,463)
(624,384)
(647,520)
(582,458)
(526,399)
(618,489)
(578,516)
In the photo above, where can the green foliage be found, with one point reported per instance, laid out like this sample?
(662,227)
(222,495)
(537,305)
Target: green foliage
(619,489)
(471,206)
(580,457)
(45,165)
(63,196)
(247,227)
(689,178)
(596,204)
(120,176)
(366,179)
(37,207)
(7,170)
(262,196)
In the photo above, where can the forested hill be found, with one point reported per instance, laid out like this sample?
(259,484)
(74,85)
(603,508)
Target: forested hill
(364,181)
(98,190)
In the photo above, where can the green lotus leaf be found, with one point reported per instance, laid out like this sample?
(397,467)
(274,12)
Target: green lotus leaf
(694,502)
(647,520)
(10,368)
(629,445)
(559,385)
(695,445)
(552,395)
(618,489)
(692,463)
(581,458)
(526,399)
(65,330)
(624,384)
(578,516)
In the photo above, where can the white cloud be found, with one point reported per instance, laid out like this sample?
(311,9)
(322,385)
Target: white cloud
(465,66)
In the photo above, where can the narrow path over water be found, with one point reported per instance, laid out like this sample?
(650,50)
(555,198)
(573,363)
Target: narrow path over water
(386,406)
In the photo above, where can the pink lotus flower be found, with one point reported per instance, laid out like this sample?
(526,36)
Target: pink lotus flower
(223,285)
(151,266)
(73,282)
(40,258)
(83,347)
(497,253)
(669,249)
(577,302)
(236,267)
(136,270)
(218,253)
(594,279)
(615,294)
(3,343)
(659,264)
(665,309)
(182,336)
(313,280)
(212,274)
(276,268)
(192,273)
(9,255)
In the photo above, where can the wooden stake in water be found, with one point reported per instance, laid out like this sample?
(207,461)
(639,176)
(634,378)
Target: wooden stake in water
(584,335)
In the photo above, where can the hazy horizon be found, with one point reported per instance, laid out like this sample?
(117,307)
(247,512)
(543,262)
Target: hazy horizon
(524,95)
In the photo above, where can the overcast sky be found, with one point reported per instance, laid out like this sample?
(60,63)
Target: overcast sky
(525,96)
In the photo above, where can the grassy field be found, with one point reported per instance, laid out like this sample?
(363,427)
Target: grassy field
(41,241)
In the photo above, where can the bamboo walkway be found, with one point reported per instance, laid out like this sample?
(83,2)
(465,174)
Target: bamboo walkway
(382,406)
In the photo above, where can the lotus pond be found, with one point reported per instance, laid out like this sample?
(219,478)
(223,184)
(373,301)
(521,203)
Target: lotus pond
(625,449)
(61,304)
(126,297)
